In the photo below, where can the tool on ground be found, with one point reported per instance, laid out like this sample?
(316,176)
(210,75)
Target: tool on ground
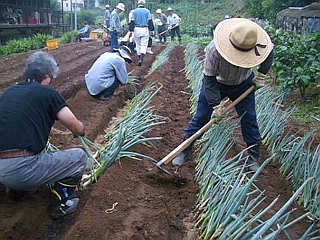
(168,29)
(175,152)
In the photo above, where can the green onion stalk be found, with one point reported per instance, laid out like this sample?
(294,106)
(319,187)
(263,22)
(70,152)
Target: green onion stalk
(162,58)
(194,73)
(138,119)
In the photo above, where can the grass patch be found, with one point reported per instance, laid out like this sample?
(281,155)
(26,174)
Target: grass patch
(307,109)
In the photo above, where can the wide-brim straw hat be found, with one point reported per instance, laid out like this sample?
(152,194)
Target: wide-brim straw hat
(125,52)
(242,42)
(158,11)
(120,6)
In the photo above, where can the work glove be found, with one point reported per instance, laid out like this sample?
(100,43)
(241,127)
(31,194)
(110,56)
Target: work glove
(218,111)
(170,27)
(259,81)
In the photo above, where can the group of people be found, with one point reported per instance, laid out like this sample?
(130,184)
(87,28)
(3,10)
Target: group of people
(142,27)
(29,109)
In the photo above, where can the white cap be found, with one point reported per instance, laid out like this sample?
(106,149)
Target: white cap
(141,2)
(120,6)
(169,9)
(226,17)
(159,11)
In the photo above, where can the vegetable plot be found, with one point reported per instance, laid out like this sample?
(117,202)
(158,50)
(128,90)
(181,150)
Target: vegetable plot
(229,202)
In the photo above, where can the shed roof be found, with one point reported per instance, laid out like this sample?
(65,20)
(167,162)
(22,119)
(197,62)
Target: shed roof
(310,11)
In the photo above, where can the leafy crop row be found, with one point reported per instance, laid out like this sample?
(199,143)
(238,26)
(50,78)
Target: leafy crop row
(38,41)
(297,60)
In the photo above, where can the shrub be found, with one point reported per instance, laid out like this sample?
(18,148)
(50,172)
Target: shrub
(68,37)
(297,59)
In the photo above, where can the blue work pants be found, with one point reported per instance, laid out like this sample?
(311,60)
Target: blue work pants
(245,109)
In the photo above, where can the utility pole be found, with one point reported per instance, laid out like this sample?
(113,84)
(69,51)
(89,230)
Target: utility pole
(75,16)
(71,22)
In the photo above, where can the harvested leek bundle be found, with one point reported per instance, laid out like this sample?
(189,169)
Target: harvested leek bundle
(129,131)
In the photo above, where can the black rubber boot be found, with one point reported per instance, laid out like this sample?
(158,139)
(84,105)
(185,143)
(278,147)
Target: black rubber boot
(141,59)
(182,157)
(253,158)
(62,204)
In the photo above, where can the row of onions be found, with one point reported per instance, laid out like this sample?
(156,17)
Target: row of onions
(229,204)
(162,58)
(137,120)
(128,131)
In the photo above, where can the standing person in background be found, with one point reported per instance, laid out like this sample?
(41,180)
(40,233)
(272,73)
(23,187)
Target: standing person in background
(173,24)
(27,113)
(107,16)
(115,25)
(141,24)
(161,22)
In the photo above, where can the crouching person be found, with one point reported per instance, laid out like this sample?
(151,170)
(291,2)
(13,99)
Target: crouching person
(27,113)
(108,72)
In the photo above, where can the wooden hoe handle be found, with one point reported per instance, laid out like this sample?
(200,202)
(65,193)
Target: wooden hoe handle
(175,152)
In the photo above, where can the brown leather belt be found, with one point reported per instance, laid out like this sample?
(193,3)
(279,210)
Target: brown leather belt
(14,153)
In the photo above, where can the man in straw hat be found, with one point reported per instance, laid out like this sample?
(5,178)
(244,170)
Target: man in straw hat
(108,72)
(141,24)
(173,24)
(238,46)
(115,25)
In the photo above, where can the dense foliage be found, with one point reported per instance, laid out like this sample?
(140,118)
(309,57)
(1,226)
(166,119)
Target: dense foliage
(297,60)
(25,44)
(38,41)
(267,9)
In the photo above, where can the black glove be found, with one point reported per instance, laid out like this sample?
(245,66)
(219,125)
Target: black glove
(211,90)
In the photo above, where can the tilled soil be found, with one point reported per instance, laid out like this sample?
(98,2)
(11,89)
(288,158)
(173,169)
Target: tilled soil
(150,203)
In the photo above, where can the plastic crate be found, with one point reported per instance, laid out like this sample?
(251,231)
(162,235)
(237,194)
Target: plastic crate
(52,44)
(94,36)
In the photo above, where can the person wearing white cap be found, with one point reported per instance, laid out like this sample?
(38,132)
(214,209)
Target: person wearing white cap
(238,46)
(161,22)
(108,72)
(141,24)
(173,24)
(115,25)
(107,15)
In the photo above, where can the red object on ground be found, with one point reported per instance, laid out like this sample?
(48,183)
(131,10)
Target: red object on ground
(32,21)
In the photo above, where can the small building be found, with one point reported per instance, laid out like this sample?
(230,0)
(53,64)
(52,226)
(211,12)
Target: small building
(69,5)
(300,19)
(23,18)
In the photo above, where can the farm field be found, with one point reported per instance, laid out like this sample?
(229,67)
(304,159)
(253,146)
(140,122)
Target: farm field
(151,203)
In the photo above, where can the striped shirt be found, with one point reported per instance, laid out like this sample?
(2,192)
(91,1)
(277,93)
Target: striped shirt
(225,72)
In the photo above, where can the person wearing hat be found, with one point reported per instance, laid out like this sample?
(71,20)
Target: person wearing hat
(84,32)
(238,46)
(115,25)
(141,24)
(173,21)
(108,72)
(107,15)
(161,22)
(27,112)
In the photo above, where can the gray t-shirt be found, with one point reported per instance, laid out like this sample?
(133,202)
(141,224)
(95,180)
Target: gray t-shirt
(102,74)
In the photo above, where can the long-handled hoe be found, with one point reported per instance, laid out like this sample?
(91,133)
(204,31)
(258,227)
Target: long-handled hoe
(175,152)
